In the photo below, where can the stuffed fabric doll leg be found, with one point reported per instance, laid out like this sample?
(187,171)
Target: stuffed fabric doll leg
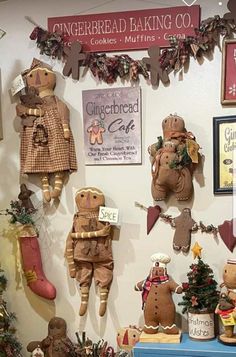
(184,188)
(58,184)
(80,272)
(46,189)
(103,274)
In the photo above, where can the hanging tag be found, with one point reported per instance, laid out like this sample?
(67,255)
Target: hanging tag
(37,352)
(192,149)
(17,85)
(108,214)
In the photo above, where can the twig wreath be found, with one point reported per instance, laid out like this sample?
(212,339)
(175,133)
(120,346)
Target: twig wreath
(154,68)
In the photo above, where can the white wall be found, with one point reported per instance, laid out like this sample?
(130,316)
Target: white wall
(196,98)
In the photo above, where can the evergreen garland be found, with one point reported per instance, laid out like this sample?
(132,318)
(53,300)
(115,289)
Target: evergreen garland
(9,345)
(19,214)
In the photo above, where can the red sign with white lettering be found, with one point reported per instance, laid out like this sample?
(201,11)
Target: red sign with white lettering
(230,72)
(129,30)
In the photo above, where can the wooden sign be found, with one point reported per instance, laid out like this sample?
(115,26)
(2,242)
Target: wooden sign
(112,126)
(130,30)
(228,77)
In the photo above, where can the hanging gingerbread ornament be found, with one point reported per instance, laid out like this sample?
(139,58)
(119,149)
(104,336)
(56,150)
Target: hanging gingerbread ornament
(154,65)
(184,225)
(74,60)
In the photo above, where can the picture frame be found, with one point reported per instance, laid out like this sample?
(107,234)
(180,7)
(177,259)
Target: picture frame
(228,74)
(112,123)
(1,130)
(224,144)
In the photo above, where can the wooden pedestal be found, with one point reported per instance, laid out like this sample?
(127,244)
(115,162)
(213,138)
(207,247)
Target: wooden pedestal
(160,337)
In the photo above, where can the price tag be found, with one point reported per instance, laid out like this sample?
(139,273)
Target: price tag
(108,214)
(17,84)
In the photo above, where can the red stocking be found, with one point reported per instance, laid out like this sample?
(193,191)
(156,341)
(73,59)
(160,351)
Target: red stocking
(33,269)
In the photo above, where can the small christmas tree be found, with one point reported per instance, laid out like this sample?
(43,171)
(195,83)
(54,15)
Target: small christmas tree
(9,345)
(200,293)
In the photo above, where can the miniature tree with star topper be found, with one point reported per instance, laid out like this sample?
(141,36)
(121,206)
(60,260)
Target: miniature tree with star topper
(200,292)
(9,345)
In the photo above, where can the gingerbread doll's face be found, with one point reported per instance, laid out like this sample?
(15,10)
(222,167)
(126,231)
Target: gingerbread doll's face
(158,271)
(169,146)
(229,276)
(89,198)
(173,123)
(57,327)
(41,78)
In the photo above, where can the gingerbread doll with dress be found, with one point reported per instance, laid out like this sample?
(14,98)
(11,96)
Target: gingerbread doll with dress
(47,145)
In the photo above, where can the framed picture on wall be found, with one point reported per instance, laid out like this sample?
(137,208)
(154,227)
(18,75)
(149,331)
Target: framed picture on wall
(224,146)
(112,126)
(1,133)
(228,76)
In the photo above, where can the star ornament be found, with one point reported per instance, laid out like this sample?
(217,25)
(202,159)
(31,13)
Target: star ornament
(196,250)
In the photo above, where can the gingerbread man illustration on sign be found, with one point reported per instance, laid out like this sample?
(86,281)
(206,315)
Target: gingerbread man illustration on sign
(95,132)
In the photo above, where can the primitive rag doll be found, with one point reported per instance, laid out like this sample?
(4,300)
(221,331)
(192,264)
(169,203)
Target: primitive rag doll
(88,248)
(47,145)
(173,158)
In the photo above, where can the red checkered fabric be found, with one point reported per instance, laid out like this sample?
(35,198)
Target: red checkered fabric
(52,153)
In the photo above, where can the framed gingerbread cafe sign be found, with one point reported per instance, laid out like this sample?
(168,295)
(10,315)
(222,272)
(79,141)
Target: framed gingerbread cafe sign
(128,30)
(112,126)
(224,147)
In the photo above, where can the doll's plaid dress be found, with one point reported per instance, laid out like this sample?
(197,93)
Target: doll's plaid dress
(43,146)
